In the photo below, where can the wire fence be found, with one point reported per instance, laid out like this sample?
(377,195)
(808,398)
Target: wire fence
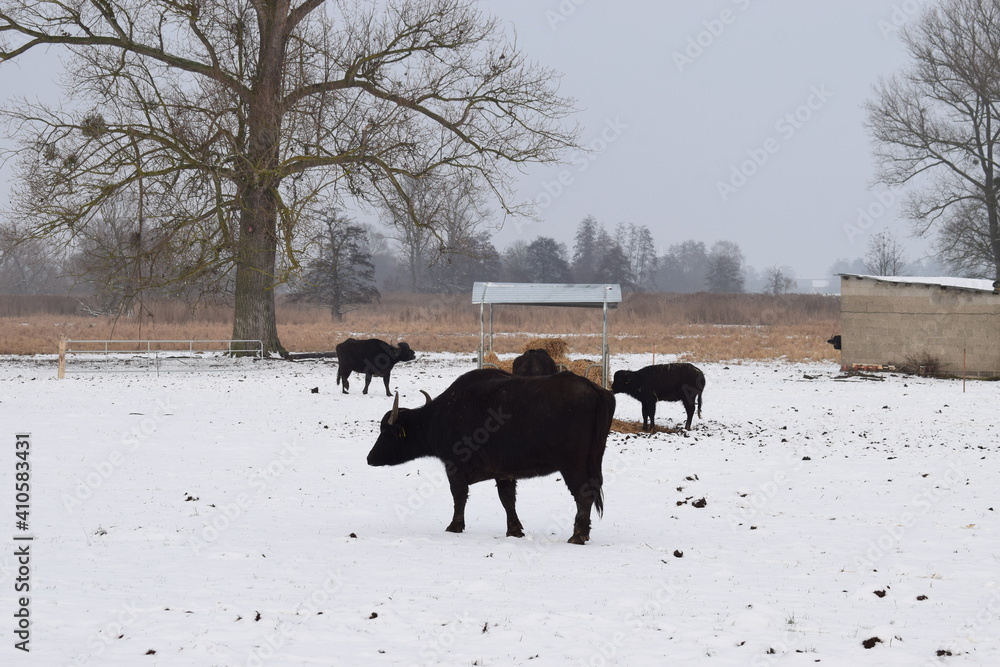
(160,356)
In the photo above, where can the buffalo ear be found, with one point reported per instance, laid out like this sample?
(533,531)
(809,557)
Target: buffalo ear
(395,410)
(427,397)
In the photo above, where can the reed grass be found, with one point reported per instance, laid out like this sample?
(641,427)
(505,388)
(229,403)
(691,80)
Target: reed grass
(692,327)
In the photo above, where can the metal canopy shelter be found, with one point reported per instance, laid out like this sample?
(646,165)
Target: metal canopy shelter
(544,294)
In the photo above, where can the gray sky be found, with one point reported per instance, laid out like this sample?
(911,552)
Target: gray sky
(735,120)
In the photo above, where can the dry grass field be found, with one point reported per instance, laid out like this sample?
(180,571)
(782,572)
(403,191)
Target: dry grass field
(697,327)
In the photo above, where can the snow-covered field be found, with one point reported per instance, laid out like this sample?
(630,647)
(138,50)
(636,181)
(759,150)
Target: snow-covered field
(230,519)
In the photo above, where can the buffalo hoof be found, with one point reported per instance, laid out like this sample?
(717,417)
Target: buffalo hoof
(579,539)
(515,532)
(455,527)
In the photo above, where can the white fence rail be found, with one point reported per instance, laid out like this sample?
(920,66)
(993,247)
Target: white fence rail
(163,356)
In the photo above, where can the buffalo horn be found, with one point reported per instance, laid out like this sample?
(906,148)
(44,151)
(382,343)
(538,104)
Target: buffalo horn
(427,397)
(395,410)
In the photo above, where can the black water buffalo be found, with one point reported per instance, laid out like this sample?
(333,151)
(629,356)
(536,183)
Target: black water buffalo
(534,362)
(835,341)
(490,424)
(371,357)
(662,382)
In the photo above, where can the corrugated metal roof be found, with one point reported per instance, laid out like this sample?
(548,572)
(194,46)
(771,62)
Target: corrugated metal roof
(974,284)
(548,294)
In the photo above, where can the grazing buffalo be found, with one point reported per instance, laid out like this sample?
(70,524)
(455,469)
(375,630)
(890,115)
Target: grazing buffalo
(490,424)
(371,357)
(835,341)
(534,362)
(662,382)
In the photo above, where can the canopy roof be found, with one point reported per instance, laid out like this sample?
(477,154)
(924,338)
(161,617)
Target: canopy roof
(548,294)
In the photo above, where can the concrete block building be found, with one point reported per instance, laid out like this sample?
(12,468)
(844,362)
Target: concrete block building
(896,321)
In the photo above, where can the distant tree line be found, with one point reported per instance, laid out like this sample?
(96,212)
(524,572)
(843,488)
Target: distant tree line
(348,264)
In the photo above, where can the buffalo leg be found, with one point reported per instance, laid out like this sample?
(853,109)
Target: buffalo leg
(689,408)
(368,381)
(584,494)
(460,493)
(649,413)
(345,383)
(385,379)
(507,490)
(690,397)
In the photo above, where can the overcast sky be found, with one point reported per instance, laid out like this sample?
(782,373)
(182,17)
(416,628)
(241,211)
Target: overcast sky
(713,120)
(710,120)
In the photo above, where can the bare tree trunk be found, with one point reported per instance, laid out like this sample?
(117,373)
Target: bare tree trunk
(994,224)
(254,318)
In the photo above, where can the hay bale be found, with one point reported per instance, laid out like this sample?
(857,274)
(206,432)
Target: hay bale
(492,358)
(556,347)
(628,426)
(580,366)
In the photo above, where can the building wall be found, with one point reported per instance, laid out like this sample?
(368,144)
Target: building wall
(890,323)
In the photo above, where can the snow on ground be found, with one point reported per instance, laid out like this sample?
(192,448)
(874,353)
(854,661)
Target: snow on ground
(230,519)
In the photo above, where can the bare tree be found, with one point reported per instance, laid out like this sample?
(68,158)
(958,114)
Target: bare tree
(342,275)
(476,259)
(412,217)
(636,242)
(684,267)
(236,116)
(964,245)
(726,268)
(884,256)
(436,219)
(516,262)
(30,266)
(546,261)
(936,123)
(778,280)
(614,267)
(586,253)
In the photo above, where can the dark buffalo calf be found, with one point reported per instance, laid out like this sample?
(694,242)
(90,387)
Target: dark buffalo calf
(371,357)
(662,382)
(534,362)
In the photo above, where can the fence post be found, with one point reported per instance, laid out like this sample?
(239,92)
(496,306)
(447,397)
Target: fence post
(62,358)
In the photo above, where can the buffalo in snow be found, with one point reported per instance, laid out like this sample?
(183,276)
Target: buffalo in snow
(490,424)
